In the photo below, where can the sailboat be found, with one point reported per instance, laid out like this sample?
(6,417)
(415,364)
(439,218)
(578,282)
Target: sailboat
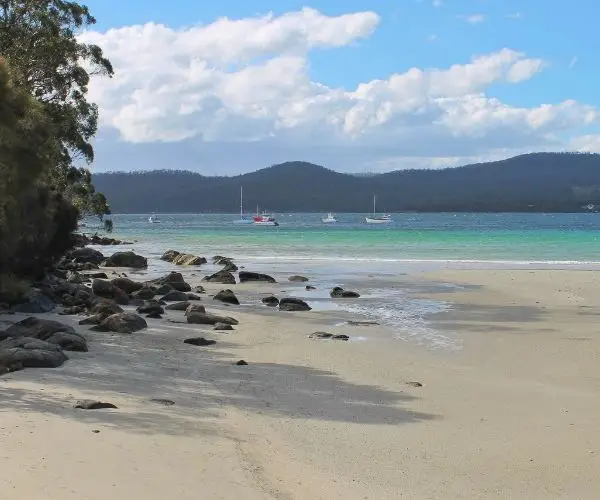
(382,219)
(242,219)
(153,219)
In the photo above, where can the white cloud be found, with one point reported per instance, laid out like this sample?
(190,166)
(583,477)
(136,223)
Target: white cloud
(246,84)
(475,18)
(586,143)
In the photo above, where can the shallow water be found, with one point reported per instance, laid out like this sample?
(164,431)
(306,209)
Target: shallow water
(352,254)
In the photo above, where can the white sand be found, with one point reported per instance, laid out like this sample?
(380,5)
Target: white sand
(513,415)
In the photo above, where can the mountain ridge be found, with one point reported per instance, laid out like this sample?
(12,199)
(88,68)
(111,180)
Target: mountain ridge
(538,182)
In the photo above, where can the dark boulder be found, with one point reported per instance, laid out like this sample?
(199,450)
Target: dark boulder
(195,308)
(151,308)
(99,275)
(126,259)
(86,254)
(95,319)
(144,293)
(247,276)
(309,288)
(154,315)
(223,327)
(227,296)
(90,404)
(122,323)
(105,307)
(270,301)
(199,341)
(174,280)
(107,290)
(339,293)
(37,302)
(49,331)
(127,285)
(222,277)
(204,318)
(26,352)
(178,306)
(175,296)
(169,255)
(293,304)
(297,278)
(163,289)
(199,289)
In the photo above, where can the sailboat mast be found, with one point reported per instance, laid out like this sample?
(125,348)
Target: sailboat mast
(241,201)
(374,198)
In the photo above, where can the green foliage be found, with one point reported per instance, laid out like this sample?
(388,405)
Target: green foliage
(536,182)
(46,124)
(38,40)
(12,288)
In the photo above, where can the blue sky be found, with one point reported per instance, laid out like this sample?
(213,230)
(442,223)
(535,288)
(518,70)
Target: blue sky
(422,34)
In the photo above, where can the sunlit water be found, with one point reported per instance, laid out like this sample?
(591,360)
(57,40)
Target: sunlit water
(348,252)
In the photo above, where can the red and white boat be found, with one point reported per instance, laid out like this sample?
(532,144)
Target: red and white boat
(264,219)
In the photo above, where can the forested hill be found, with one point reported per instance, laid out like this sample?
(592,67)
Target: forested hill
(540,182)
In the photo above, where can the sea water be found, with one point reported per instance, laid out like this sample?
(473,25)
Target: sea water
(351,252)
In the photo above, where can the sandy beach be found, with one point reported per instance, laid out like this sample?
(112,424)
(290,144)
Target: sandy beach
(512,414)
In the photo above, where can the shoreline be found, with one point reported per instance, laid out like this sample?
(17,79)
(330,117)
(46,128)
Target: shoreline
(506,416)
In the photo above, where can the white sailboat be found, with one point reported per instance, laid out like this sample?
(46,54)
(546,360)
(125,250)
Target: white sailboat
(153,219)
(330,219)
(381,219)
(242,219)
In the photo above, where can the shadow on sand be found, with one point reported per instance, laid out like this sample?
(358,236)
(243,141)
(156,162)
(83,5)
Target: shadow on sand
(204,382)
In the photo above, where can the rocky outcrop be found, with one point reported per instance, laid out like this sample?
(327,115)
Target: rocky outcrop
(222,277)
(195,308)
(105,289)
(27,352)
(270,301)
(122,323)
(247,276)
(293,304)
(339,293)
(49,331)
(126,259)
(227,296)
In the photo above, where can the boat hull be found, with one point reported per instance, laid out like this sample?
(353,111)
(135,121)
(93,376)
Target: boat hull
(369,220)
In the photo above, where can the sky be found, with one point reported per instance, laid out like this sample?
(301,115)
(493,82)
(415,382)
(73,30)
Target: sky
(354,85)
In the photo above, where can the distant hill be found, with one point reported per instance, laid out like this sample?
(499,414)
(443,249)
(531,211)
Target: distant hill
(536,182)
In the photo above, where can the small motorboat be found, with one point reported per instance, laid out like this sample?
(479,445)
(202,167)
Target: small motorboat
(264,219)
(329,219)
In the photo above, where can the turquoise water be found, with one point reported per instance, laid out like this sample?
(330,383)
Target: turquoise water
(461,238)
(378,261)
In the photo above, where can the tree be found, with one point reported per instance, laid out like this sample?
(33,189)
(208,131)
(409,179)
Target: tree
(38,40)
